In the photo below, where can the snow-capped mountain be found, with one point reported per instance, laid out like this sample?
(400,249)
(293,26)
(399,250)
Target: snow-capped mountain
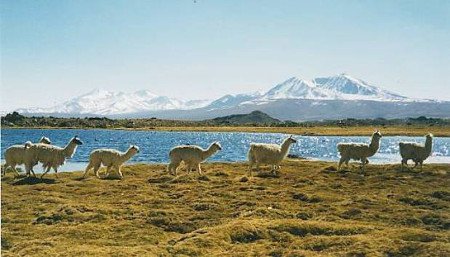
(340,96)
(344,86)
(102,102)
(295,88)
(340,87)
(229,101)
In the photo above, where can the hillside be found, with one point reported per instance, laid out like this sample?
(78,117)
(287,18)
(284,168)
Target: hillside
(307,210)
(255,117)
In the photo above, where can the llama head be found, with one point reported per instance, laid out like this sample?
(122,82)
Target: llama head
(377,135)
(45,140)
(76,140)
(134,149)
(216,146)
(429,136)
(28,144)
(291,140)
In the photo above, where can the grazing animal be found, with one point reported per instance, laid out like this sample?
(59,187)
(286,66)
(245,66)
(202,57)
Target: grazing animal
(15,155)
(110,158)
(271,154)
(51,156)
(192,156)
(359,151)
(416,152)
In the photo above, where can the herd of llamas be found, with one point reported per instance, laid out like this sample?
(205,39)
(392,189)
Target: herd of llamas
(51,156)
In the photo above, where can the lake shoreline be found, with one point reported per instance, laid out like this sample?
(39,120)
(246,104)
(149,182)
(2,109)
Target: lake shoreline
(73,167)
(443,131)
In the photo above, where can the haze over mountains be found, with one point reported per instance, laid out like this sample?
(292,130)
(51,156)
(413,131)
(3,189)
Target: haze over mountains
(335,97)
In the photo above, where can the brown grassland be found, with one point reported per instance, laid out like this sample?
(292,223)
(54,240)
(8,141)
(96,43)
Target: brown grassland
(439,131)
(308,209)
(400,130)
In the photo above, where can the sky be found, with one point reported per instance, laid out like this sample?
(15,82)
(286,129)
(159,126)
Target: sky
(52,51)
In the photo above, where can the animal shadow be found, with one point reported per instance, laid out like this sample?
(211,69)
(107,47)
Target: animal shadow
(33,181)
(264,174)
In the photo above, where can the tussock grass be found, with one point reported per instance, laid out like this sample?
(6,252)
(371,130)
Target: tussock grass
(307,209)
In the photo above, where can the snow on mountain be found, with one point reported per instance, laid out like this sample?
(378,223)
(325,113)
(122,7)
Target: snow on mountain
(295,88)
(346,87)
(340,87)
(229,101)
(102,102)
(320,90)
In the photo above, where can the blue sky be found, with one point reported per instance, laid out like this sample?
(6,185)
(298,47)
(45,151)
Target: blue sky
(54,50)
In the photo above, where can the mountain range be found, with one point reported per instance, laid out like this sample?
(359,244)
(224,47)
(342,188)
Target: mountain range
(334,97)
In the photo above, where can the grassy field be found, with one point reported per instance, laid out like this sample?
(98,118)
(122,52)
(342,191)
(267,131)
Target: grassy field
(439,131)
(308,209)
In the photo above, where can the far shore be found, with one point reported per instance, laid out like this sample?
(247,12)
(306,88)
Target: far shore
(438,131)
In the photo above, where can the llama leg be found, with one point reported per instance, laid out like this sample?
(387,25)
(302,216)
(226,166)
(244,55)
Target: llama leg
(175,165)
(421,164)
(340,163)
(415,163)
(363,164)
(48,169)
(15,171)
(199,169)
(87,169)
(28,169)
(32,172)
(118,168)
(96,168)
(4,168)
(108,171)
(55,168)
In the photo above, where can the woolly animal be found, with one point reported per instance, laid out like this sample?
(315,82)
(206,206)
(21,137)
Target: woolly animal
(15,155)
(110,158)
(359,151)
(192,156)
(416,152)
(269,154)
(51,156)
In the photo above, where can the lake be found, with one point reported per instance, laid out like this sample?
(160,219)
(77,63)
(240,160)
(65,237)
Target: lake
(155,145)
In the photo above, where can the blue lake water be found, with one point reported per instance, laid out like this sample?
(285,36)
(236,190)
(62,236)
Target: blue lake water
(155,145)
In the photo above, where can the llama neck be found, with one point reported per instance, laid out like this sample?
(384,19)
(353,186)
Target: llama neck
(69,150)
(374,144)
(208,152)
(285,147)
(126,156)
(428,145)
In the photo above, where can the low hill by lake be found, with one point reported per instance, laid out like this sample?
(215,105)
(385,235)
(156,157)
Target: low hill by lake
(255,117)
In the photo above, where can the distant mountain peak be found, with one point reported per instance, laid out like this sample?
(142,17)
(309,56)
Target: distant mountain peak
(337,87)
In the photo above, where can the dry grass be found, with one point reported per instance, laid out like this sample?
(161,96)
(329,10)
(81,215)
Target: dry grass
(397,130)
(401,130)
(306,210)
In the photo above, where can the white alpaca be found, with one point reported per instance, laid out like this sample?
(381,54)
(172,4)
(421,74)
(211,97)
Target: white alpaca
(359,151)
(51,156)
(270,154)
(15,155)
(416,152)
(192,156)
(110,158)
